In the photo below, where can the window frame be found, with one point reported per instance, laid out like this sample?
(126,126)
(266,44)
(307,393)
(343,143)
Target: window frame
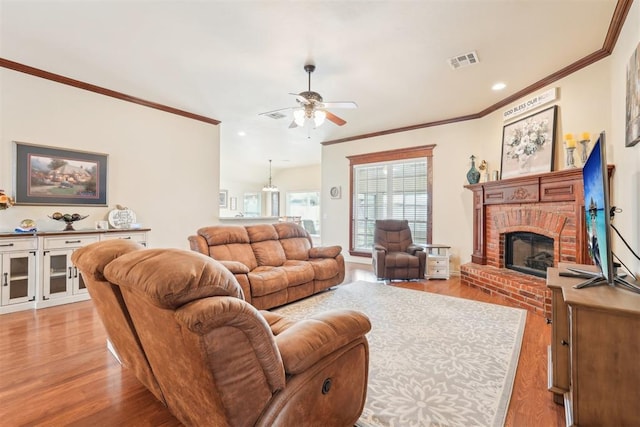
(425,151)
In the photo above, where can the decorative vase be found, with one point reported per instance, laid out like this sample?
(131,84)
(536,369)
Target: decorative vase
(473,176)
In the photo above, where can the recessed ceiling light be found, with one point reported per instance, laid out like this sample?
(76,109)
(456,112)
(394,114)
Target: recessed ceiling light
(242,133)
(498,86)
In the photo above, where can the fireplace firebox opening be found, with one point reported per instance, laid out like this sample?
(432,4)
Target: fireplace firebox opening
(528,253)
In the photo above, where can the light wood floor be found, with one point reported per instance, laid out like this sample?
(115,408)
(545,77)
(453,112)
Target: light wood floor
(55,369)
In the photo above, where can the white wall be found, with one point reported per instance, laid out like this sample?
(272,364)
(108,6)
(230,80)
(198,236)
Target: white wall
(626,179)
(591,100)
(163,166)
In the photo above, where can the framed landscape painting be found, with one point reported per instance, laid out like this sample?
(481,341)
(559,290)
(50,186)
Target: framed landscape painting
(633,99)
(56,176)
(528,144)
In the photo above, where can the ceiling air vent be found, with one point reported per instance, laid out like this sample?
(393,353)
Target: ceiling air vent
(276,115)
(463,60)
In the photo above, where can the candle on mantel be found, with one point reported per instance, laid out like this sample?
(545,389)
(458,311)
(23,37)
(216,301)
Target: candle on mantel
(568,136)
(586,136)
(571,143)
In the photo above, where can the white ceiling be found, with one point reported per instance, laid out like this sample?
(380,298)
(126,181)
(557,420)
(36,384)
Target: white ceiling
(231,60)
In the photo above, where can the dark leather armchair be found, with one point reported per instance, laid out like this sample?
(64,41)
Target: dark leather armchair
(394,255)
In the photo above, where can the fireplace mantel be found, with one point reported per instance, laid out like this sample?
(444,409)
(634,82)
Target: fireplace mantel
(561,188)
(550,204)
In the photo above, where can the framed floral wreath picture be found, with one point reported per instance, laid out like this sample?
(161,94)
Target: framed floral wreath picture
(528,144)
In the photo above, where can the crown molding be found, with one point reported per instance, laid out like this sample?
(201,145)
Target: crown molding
(615,26)
(22,68)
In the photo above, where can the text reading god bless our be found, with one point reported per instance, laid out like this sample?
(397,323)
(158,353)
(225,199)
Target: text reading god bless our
(530,104)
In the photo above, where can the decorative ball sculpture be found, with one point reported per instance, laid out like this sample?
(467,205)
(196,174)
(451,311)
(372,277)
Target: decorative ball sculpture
(69,219)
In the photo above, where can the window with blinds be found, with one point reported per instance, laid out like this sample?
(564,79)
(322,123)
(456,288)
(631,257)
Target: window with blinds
(389,190)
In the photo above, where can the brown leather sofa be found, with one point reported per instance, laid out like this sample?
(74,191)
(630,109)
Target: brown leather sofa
(274,264)
(394,255)
(217,360)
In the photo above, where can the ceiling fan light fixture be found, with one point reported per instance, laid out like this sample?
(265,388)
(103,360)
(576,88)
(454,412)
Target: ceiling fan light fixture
(298,116)
(311,107)
(319,116)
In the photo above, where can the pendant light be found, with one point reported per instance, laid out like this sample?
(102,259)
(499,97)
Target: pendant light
(270,187)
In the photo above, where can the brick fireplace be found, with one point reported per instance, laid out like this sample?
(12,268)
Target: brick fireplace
(549,204)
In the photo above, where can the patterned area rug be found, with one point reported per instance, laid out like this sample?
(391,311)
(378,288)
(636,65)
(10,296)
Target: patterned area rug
(434,360)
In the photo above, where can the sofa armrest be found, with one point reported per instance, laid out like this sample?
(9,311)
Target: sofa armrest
(197,243)
(215,315)
(307,341)
(413,249)
(325,251)
(236,267)
(379,248)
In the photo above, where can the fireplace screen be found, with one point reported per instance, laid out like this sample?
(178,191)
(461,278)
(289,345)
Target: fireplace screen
(528,253)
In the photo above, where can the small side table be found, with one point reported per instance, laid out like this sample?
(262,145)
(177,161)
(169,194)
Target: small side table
(437,261)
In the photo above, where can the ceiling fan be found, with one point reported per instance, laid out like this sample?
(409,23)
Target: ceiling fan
(311,107)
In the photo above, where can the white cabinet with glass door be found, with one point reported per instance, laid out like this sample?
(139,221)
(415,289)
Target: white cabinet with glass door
(17,273)
(61,281)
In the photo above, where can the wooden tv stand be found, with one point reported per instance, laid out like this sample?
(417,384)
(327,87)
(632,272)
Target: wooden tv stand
(594,357)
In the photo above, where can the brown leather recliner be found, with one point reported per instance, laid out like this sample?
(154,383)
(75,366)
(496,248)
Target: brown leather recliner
(217,359)
(394,255)
(112,310)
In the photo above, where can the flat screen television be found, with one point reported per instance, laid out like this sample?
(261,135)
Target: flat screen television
(597,210)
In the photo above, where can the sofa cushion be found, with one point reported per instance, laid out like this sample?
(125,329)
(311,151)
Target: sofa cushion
(324,268)
(161,273)
(224,234)
(393,234)
(294,240)
(266,247)
(229,243)
(261,232)
(269,253)
(287,230)
(296,248)
(266,280)
(240,252)
(298,272)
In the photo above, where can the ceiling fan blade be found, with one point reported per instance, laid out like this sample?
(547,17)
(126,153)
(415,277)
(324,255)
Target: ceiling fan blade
(275,111)
(301,99)
(335,119)
(293,124)
(342,104)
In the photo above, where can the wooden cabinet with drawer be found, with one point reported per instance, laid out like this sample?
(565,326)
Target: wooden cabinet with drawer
(17,273)
(36,269)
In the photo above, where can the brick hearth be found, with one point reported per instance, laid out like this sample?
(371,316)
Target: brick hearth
(523,290)
(550,204)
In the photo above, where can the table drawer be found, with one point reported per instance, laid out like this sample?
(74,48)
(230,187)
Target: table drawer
(135,237)
(68,242)
(10,245)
